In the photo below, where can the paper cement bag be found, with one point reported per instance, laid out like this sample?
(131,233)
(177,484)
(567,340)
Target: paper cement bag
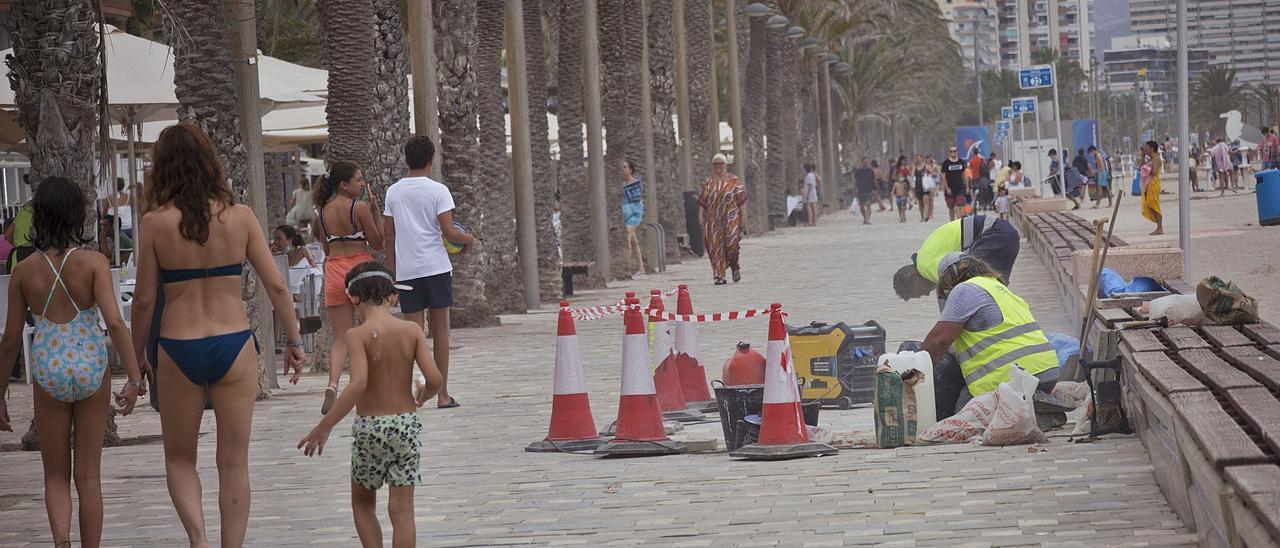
(895,408)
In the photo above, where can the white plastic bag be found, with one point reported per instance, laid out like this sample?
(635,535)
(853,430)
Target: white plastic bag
(1014,420)
(968,424)
(853,208)
(1180,309)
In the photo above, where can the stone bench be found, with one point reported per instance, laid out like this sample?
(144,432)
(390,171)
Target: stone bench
(1255,503)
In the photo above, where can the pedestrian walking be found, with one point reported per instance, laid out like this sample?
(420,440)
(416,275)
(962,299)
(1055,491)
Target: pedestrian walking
(302,207)
(349,231)
(1237,160)
(919,172)
(22,220)
(954,187)
(72,388)
(1101,167)
(1152,167)
(419,218)
(1221,155)
(633,212)
(723,215)
(1269,148)
(933,174)
(1055,173)
(809,193)
(877,190)
(190,279)
(865,179)
(386,446)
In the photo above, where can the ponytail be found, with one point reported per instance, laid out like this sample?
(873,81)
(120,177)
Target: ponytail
(340,172)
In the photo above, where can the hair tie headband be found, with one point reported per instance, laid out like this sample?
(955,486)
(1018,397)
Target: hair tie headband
(377,274)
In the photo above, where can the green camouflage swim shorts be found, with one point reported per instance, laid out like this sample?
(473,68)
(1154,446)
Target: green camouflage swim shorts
(386,449)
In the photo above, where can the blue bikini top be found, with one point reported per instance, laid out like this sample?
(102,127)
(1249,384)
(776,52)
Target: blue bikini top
(185,274)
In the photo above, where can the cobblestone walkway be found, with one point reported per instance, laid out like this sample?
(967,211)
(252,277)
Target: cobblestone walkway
(483,489)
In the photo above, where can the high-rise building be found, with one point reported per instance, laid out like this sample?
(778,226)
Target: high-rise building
(1240,33)
(1025,26)
(974,26)
(1150,65)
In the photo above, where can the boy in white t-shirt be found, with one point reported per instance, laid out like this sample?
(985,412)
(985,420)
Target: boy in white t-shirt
(418,215)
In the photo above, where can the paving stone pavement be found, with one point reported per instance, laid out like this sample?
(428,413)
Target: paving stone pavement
(482,489)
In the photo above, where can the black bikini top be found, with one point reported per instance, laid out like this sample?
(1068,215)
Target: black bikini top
(185,274)
(357,236)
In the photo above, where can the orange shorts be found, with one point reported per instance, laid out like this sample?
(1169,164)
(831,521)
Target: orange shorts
(335,276)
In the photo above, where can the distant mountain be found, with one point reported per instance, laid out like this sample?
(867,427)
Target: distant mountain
(1110,19)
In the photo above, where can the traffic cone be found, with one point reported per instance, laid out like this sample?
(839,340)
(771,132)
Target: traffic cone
(639,429)
(693,377)
(666,378)
(572,427)
(783,434)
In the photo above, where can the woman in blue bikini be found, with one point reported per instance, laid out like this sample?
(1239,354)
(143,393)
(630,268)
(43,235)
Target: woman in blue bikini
(195,240)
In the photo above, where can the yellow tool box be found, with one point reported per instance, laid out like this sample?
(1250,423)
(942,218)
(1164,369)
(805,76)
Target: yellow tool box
(836,363)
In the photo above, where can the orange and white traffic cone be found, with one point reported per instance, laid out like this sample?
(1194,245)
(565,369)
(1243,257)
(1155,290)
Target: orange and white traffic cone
(639,431)
(783,434)
(693,377)
(666,378)
(572,427)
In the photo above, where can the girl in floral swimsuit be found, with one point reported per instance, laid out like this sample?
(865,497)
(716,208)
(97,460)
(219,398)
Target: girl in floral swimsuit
(69,355)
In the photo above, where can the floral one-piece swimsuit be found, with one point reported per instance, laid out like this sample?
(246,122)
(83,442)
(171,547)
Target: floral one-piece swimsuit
(70,358)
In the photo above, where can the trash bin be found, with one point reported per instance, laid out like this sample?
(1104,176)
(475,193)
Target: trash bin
(1268,189)
(692,227)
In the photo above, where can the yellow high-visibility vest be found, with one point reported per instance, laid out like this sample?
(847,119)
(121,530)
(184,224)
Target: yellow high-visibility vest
(986,356)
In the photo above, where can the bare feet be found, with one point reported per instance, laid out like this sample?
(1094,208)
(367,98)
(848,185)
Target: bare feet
(1157,232)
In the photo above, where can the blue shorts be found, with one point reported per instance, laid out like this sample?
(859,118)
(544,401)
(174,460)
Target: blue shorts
(431,292)
(632,213)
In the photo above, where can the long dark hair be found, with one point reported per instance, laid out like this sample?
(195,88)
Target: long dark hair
(962,270)
(187,173)
(340,172)
(295,238)
(58,213)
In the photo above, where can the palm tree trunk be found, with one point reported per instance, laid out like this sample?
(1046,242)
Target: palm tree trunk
(204,82)
(753,121)
(808,130)
(502,280)
(697,14)
(544,174)
(455,22)
(776,173)
(662,78)
(620,57)
(575,212)
(390,87)
(56,76)
(790,125)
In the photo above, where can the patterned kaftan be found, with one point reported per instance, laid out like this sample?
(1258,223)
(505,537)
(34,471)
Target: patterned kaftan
(722,225)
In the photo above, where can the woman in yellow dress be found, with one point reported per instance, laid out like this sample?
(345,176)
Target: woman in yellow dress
(1152,166)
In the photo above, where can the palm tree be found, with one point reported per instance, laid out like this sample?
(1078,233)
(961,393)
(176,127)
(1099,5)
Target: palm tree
(776,173)
(697,14)
(1214,93)
(502,268)
(455,26)
(662,79)
(575,211)
(348,30)
(753,121)
(203,77)
(390,91)
(56,75)
(544,175)
(620,57)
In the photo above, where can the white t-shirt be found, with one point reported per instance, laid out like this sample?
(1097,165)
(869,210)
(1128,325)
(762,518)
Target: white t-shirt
(415,204)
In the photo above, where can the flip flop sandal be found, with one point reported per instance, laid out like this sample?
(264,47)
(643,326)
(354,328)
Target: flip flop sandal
(737,276)
(720,281)
(330,395)
(452,403)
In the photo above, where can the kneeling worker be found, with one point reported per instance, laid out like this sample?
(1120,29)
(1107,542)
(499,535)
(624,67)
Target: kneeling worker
(989,329)
(993,240)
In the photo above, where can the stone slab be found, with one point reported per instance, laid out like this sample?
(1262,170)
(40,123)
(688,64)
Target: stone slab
(1216,373)
(1184,338)
(1167,376)
(1259,364)
(1032,206)
(1141,340)
(1129,261)
(1261,410)
(1225,335)
(1259,487)
(1263,332)
(1223,442)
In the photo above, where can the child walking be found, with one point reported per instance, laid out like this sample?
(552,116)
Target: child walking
(69,355)
(386,443)
(1002,203)
(900,190)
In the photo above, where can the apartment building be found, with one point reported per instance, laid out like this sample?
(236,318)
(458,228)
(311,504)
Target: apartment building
(975,27)
(1150,64)
(1238,33)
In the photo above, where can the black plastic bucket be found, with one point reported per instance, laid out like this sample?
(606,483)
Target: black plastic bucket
(735,404)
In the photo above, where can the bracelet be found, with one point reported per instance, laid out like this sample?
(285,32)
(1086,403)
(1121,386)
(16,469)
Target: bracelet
(138,384)
(292,344)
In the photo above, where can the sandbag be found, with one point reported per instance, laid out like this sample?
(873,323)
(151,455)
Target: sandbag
(1014,419)
(1224,303)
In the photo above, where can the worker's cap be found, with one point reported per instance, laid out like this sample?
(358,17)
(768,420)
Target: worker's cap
(948,260)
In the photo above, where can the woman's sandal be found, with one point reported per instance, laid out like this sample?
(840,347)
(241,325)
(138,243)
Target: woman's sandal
(720,281)
(452,403)
(737,275)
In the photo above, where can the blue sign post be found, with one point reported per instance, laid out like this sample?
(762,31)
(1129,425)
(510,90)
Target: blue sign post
(1023,105)
(1006,113)
(1039,76)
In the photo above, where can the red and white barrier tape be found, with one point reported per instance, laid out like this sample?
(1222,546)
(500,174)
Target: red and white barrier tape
(598,312)
(706,318)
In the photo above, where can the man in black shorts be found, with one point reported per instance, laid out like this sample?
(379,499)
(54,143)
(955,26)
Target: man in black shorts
(864,179)
(953,184)
(418,214)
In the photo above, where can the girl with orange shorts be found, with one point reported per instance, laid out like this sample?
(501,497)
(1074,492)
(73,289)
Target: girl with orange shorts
(349,230)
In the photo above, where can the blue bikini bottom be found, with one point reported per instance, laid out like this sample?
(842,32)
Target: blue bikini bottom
(207,360)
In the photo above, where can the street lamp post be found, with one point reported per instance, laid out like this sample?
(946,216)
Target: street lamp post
(1184,139)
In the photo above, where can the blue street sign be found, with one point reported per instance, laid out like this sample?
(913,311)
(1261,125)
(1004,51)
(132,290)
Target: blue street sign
(1004,126)
(1022,105)
(1039,76)
(1006,113)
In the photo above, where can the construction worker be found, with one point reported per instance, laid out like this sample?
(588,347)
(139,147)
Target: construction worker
(989,238)
(989,329)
